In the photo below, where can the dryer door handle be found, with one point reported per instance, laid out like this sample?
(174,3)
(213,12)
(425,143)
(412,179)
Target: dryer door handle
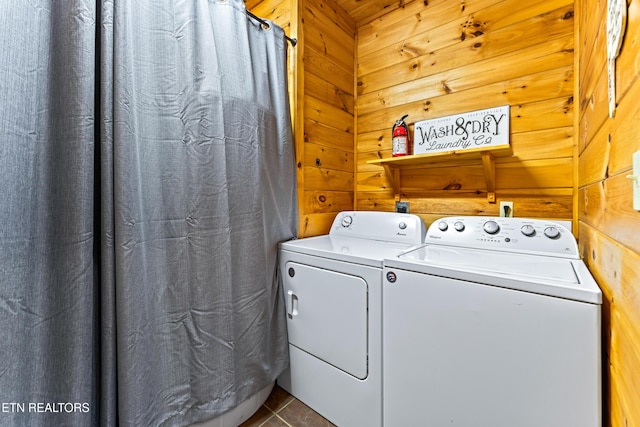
(292,304)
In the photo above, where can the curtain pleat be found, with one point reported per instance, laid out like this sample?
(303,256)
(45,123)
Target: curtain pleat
(48,279)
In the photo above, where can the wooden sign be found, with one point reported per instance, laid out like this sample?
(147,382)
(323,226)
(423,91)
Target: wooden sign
(616,26)
(475,130)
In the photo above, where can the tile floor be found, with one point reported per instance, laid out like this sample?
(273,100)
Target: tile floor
(283,410)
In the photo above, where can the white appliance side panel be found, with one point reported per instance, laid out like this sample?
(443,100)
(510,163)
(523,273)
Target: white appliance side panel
(465,354)
(327,316)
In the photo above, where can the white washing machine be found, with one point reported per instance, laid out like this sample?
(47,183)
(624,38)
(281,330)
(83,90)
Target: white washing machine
(494,322)
(333,291)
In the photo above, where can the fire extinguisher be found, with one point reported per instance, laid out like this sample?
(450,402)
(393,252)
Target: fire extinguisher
(400,141)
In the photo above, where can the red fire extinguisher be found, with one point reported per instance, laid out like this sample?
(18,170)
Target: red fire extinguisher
(400,142)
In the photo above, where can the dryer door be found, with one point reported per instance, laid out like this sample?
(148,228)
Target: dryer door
(327,316)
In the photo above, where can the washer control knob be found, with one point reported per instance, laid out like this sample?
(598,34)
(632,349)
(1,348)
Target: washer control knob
(402,225)
(551,232)
(459,226)
(443,226)
(347,220)
(528,230)
(491,227)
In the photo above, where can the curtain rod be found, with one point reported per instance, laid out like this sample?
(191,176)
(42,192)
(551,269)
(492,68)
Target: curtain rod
(266,25)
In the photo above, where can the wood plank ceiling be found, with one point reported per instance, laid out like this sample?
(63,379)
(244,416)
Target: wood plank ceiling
(364,11)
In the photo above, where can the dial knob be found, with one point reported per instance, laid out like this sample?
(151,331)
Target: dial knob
(459,226)
(491,227)
(528,230)
(442,226)
(551,232)
(402,225)
(347,220)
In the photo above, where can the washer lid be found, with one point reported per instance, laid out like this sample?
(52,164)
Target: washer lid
(355,250)
(529,267)
(558,277)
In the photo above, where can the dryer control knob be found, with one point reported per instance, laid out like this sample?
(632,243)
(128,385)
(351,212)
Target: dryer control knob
(346,221)
(551,232)
(491,227)
(459,226)
(443,226)
(528,230)
(402,225)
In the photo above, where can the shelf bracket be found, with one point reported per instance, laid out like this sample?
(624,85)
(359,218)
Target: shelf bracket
(393,173)
(489,165)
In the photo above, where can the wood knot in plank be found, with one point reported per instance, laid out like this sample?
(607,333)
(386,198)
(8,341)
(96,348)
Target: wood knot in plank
(453,186)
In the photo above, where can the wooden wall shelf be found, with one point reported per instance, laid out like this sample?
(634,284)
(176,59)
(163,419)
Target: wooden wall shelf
(393,165)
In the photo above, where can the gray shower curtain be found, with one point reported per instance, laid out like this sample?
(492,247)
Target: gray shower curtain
(148,173)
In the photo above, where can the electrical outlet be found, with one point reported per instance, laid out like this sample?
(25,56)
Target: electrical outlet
(506,209)
(636,180)
(402,207)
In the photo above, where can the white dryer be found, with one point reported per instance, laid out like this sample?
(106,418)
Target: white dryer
(333,291)
(494,322)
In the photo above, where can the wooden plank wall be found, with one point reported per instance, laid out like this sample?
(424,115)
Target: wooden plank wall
(327,149)
(431,59)
(609,228)
(324,124)
(278,11)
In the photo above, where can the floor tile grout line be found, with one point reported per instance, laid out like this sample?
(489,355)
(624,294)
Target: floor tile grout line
(274,413)
(282,407)
(283,420)
(293,399)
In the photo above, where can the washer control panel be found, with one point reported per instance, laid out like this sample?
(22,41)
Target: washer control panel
(523,235)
